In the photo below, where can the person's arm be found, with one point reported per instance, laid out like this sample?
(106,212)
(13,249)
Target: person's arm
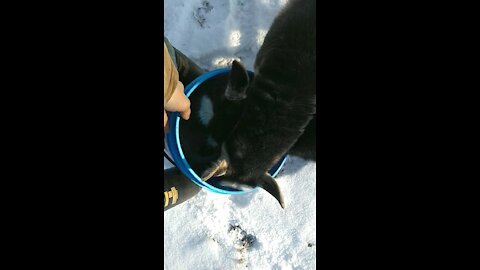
(174,97)
(170,76)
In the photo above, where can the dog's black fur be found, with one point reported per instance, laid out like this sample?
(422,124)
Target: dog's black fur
(194,134)
(278,105)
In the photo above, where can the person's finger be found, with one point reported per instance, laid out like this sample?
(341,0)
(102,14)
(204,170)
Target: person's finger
(179,102)
(184,105)
(186,113)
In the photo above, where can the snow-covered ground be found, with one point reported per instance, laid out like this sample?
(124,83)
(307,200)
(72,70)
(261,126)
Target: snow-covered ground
(251,231)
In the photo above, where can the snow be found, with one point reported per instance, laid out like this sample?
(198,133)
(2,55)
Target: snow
(249,231)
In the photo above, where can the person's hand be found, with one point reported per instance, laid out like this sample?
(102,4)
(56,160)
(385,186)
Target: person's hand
(179,102)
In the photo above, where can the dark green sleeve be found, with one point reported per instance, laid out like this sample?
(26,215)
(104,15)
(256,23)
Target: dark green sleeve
(171,51)
(187,69)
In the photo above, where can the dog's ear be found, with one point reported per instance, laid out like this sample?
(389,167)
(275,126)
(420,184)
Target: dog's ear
(238,83)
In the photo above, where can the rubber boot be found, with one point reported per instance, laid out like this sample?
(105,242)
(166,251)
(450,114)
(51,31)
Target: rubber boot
(177,188)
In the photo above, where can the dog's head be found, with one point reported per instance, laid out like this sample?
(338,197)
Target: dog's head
(237,166)
(213,118)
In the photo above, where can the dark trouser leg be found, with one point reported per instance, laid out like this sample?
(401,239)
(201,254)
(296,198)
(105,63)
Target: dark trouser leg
(187,69)
(177,188)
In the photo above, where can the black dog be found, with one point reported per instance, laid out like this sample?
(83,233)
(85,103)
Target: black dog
(277,107)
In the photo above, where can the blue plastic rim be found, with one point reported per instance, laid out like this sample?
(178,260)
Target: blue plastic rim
(175,148)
